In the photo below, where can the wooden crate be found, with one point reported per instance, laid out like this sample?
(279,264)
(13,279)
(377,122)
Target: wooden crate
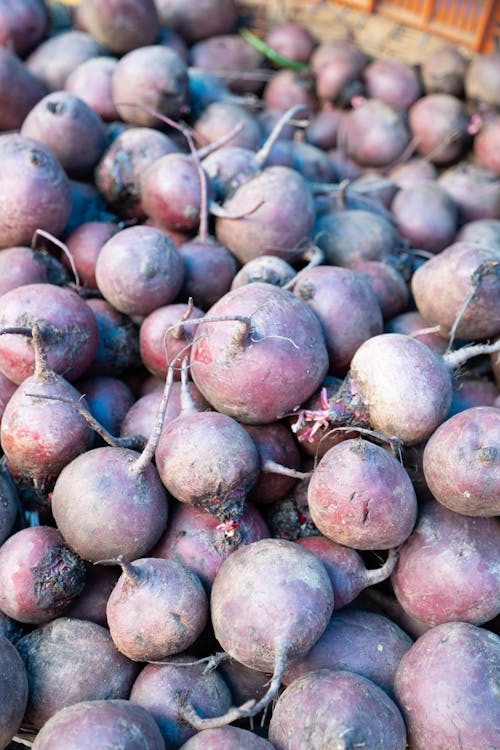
(406,29)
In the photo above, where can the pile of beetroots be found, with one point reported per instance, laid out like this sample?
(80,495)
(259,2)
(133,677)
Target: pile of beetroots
(249,385)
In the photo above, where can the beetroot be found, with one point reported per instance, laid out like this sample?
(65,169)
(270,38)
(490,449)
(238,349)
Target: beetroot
(84,245)
(375,133)
(426,215)
(281,337)
(117,341)
(338,65)
(416,169)
(23,24)
(70,129)
(121,25)
(459,290)
(393,82)
(462,462)
(91,603)
(19,266)
(195,20)
(97,722)
(446,685)
(291,40)
(362,642)
(157,608)
(221,117)
(413,324)
(288,88)
(67,325)
(118,173)
(389,286)
(482,82)
(195,538)
(227,462)
(161,343)
(474,189)
(226,738)
(8,506)
(157,688)
(443,71)
(266,268)
(39,575)
(56,57)
(96,521)
(232,58)
(370,503)
(56,679)
(91,82)
(280,215)
(439,123)
(109,399)
(39,438)
(279,460)
(346,568)
(327,708)
(153,76)
(284,579)
(19,90)
(486,145)
(13,691)
(448,570)
(209,269)
(38,198)
(330,290)
(139,270)
(354,236)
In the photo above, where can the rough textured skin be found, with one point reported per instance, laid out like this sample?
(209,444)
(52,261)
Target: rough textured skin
(197,19)
(68,661)
(336,710)
(120,25)
(39,437)
(447,688)
(208,460)
(19,89)
(157,608)
(284,349)
(118,173)
(449,569)
(441,285)
(193,537)
(100,724)
(67,325)
(462,462)
(38,198)
(104,509)
(139,270)
(39,575)
(439,122)
(405,386)
(227,738)
(290,605)
(158,688)
(362,642)
(361,496)
(284,218)
(13,691)
(329,291)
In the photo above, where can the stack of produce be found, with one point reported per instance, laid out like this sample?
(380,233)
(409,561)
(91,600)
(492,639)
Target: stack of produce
(249,386)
